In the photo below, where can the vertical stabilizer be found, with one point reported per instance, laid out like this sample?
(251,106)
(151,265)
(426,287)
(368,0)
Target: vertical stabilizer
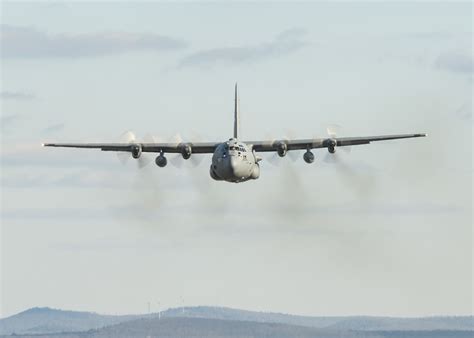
(236,113)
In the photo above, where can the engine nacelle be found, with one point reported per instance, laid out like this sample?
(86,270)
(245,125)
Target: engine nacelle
(308,157)
(214,175)
(136,150)
(282,149)
(331,144)
(186,151)
(255,172)
(161,161)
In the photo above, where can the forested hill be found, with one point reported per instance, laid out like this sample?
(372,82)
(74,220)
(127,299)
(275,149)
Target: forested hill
(51,321)
(179,327)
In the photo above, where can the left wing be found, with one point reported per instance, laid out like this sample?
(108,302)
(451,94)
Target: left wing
(197,147)
(330,142)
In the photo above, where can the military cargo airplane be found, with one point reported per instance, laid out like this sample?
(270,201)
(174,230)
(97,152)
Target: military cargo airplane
(233,160)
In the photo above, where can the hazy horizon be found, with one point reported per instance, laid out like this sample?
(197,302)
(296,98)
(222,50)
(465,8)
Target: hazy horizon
(156,311)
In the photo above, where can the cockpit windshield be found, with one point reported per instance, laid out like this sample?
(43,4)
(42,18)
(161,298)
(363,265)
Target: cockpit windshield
(237,148)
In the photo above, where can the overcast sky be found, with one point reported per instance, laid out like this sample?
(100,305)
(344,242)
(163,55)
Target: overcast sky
(386,231)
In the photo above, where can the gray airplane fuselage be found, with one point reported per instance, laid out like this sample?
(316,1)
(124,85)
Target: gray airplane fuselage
(234,161)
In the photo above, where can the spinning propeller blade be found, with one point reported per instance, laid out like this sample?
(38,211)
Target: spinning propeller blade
(129,137)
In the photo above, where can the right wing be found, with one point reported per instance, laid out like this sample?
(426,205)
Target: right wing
(304,144)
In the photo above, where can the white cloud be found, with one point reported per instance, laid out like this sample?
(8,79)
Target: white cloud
(28,42)
(53,128)
(18,95)
(286,42)
(456,62)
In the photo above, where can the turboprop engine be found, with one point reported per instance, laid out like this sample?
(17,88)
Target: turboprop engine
(331,144)
(282,149)
(136,150)
(186,151)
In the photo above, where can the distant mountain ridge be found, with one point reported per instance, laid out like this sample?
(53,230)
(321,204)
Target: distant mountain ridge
(364,323)
(43,321)
(46,320)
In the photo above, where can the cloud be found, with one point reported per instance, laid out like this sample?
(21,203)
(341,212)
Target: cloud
(285,43)
(464,112)
(456,62)
(28,42)
(21,96)
(435,35)
(6,121)
(53,128)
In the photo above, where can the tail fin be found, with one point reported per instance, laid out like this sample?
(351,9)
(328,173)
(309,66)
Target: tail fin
(236,113)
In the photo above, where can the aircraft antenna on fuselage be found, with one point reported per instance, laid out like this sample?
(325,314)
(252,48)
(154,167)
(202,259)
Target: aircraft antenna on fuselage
(236,113)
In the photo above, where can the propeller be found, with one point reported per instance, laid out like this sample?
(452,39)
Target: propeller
(293,155)
(360,181)
(332,158)
(270,157)
(196,159)
(126,137)
(175,160)
(273,157)
(129,137)
(178,160)
(333,130)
